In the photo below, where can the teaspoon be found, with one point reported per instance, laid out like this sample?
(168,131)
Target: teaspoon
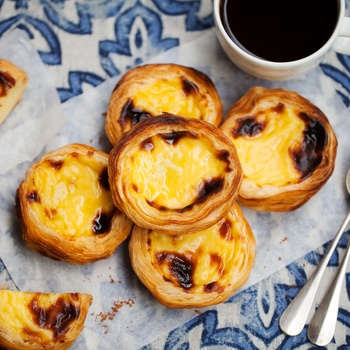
(293,318)
(322,326)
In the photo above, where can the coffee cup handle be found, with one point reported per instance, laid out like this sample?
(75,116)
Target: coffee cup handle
(342,42)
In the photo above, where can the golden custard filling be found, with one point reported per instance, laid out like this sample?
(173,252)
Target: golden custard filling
(175,170)
(71,195)
(205,261)
(177,96)
(37,316)
(265,151)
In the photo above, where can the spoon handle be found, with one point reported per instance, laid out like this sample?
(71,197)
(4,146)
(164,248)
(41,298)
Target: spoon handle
(293,318)
(322,325)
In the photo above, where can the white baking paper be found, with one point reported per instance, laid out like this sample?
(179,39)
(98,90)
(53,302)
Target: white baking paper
(124,315)
(38,116)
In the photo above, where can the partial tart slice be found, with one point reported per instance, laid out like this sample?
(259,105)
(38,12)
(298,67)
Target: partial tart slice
(13,83)
(149,90)
(286,146)
(174,175)
(33,321)
(197,270)
(66,209)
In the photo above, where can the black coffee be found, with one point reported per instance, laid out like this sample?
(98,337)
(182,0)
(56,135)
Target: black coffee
(280,30)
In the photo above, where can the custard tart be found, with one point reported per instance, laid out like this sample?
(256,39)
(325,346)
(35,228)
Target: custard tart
(174,175)
(36,321)
(286,146)
(197,270)
(13,83)
(66,208)
(149,90)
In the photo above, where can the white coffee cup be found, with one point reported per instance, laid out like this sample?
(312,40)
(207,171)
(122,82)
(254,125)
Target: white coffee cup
(339,41)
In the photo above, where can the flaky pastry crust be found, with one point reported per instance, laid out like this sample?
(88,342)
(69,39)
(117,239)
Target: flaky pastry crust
(197,270)
(13,83)
(35,321)
(286,146)
(66,209)
(174,174)
(152,89)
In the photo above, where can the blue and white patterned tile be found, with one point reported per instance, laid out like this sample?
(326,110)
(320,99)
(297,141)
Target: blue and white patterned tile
(121,33)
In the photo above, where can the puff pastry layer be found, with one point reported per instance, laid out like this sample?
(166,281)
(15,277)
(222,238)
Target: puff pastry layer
(66,209)
(174,174)
(13,83)
(36,321)
(286,146)
(149,90)
(197,270)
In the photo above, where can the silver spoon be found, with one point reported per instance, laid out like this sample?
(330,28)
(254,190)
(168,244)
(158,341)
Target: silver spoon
(322,326)
(293,318)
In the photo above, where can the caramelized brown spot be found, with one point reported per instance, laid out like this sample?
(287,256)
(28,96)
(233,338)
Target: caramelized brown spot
(217,262)
(149,242)
(90,153)
(172,138)
(147,144)
(75,154)
(205,189)
(56,164)
(131,115)
(209,187)
(50,212)
(225,230)
(103,179)
(189,87)
(215,259)
(247,126)
(224,155)
(279,108)
(213,287)
(309,155)
(180,266)
(33,197)
(135,188)
(74,296)
(7,81)
(57,317)
(102,222)
(153,204)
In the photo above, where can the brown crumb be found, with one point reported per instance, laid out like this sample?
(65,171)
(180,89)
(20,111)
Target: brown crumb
(279,258)
(198,312)
(111,279)
(283,240)
(110,315)
(118,304)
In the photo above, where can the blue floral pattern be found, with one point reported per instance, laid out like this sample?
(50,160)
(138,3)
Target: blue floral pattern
(126,33)
(138,29)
